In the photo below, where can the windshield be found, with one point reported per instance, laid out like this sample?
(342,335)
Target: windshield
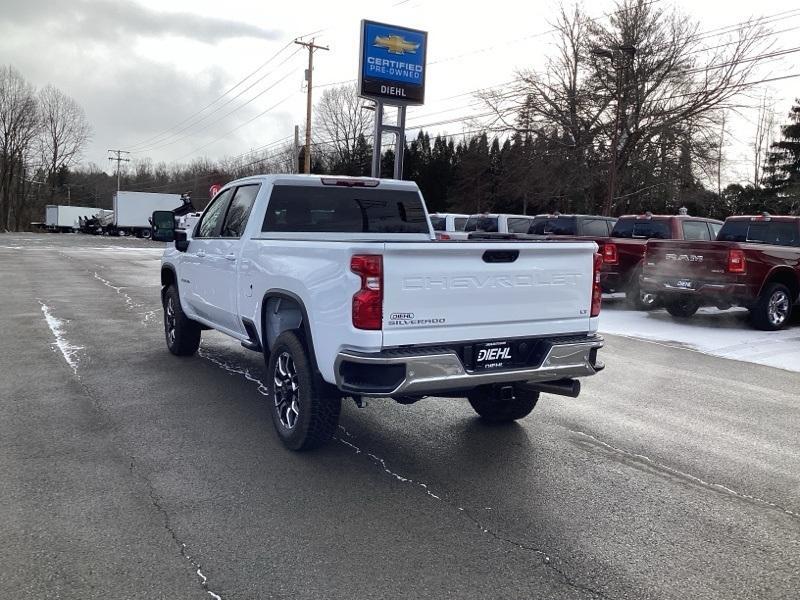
(481,223)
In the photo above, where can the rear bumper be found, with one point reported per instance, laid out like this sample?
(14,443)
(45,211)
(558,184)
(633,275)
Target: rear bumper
(422,372)
(706,292)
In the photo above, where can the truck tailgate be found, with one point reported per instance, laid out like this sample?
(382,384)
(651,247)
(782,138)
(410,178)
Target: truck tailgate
(449,292)
(683,263)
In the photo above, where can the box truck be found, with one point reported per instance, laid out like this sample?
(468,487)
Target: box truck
(132,211)
(64,219)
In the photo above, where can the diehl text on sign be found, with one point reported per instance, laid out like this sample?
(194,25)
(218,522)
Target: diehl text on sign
(392,64)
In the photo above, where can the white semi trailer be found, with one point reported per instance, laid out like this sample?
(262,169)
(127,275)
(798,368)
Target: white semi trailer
(132,211)
(64,219)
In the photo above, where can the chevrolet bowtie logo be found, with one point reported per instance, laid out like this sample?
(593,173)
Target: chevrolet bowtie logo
(395,44)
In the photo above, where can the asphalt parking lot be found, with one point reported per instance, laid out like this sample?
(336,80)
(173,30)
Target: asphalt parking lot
(126,472)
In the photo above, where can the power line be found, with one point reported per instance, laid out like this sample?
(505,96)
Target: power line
(217,99)
(168,141)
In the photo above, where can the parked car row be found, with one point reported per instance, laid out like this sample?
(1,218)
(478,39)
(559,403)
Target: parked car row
(753,262)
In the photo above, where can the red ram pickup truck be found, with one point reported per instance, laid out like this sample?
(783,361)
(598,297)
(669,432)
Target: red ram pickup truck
(755,263)
(623,252)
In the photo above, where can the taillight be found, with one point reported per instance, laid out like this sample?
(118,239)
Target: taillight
(736,261)
(368,301)
(597,291)
(610,254)
(442,236)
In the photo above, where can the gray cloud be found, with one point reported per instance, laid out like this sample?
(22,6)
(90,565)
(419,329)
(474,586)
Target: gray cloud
(102,19)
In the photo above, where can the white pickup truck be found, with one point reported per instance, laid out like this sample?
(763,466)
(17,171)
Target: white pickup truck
(340,283)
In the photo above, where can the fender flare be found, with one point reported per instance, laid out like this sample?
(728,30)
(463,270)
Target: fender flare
(305,324)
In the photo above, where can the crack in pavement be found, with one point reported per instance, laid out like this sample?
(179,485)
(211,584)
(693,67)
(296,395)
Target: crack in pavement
(718,487)
(156,502)
(547,559)
(68,350)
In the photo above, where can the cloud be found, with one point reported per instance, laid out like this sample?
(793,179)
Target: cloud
(114,19)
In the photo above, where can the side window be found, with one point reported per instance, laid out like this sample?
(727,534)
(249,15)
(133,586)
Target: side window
(519,225)
(211,221)
(459,223)
(595,227)
(715,228)
(695,230)
(239,211)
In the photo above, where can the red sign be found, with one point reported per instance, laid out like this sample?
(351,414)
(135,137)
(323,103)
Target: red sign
(214,190)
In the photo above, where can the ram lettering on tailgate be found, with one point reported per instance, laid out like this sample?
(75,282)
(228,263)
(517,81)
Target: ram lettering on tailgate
(685,257)
(480,282)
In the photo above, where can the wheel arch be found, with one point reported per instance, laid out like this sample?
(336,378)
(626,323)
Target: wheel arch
(787,277)
(168,277)
(291,315)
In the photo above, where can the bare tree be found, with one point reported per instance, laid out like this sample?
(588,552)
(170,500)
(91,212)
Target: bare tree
(19,124)
(765,127)
(624,85)
(345,127)
(64,134)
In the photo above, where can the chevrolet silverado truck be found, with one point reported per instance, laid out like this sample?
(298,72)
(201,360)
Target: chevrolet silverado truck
(342,286)
(623,252)
(755,263)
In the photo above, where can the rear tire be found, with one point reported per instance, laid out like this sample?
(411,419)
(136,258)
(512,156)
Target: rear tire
(639,300)
(487,403)
(304,408)
(682,307)
(773,308)
(182,334)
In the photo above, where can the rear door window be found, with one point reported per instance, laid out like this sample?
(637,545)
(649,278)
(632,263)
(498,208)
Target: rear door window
(239,211)
(459,223)
(344,210)
(696,230)
(556,226)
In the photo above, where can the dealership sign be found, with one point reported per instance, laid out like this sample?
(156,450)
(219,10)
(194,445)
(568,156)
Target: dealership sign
(392,63)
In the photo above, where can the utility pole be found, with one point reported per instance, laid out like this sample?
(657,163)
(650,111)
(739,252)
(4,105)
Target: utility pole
(296,150)
(118,159)
(311,47)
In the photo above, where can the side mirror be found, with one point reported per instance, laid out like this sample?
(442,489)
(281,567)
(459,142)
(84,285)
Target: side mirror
(163,226)
(181,241)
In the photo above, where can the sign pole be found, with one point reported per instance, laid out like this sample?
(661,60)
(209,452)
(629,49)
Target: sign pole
(400,142)
(377,140)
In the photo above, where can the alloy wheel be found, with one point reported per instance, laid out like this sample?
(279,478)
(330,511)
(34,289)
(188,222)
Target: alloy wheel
(171,321)
(778,308)
(286,392)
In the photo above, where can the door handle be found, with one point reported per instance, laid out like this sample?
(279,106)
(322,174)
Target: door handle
(230,256)
(201,253)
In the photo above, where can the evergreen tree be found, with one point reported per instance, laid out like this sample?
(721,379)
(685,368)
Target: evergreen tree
(783,167)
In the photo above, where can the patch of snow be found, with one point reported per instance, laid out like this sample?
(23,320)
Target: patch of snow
(69,351)
(726,334)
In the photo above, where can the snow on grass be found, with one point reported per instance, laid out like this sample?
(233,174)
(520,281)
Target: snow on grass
(727,334)
(68,350)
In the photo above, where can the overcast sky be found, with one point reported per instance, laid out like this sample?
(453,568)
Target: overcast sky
(139,67)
